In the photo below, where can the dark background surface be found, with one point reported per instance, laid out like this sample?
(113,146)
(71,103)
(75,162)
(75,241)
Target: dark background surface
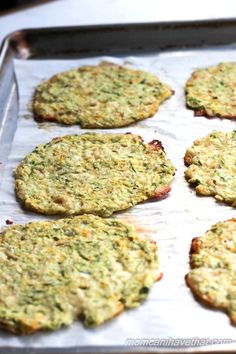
(5,5)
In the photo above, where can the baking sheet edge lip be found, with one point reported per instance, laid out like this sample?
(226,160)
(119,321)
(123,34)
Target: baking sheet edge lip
(6,42)
(3,49)
(118,350)
(108,349)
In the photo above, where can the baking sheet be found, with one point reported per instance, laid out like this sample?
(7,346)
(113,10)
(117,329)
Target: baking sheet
(170,310)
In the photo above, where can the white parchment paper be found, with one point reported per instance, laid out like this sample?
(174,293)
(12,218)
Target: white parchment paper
(170,310)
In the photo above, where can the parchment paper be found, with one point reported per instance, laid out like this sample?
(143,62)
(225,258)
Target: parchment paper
(170,310)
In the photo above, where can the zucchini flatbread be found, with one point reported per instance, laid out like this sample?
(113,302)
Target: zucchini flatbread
(55,272)
(211,92)
(213,261)
(92,173)
(102,96)
(212,166)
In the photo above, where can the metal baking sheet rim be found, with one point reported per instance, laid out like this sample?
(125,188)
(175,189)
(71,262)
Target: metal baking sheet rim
(109,349)
(17,40)
(116,350)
